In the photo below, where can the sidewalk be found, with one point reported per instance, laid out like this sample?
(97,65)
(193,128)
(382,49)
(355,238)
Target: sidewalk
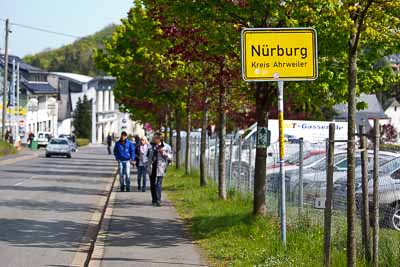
(138,234)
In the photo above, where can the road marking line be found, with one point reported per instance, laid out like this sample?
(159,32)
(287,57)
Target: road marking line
(23,181)
(82,256)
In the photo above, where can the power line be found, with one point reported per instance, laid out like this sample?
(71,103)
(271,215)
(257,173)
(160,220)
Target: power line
(43,30)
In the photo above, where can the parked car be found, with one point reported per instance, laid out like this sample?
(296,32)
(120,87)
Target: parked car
(43,138)
(58,147)
(314,176)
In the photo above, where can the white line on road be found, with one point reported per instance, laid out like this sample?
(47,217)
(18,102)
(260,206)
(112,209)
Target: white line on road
(20,183)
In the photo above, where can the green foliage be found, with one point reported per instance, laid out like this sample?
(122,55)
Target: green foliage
(6,148)
(82,142)
(76,57)
(82,118)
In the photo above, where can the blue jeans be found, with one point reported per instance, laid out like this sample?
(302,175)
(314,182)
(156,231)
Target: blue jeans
(124,168)
(141,173)
(156,188)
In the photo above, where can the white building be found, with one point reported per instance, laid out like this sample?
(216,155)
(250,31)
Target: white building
(392,110)
(106,119)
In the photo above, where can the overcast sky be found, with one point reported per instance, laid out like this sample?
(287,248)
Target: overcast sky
(75,17)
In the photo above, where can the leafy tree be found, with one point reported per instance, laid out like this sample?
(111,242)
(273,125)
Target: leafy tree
(82,118)
(76,57)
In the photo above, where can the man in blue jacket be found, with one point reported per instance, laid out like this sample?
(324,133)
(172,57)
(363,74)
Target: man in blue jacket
(124,152)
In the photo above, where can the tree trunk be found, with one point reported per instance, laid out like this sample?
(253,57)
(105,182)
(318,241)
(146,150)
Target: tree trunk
(351,160)
(204,122)
(178,119)
(188,130)
(264,97)
(171,132)
(222,133)
(166,127)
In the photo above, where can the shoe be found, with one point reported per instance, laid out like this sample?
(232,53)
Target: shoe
(128,189)
(154,204)
(143,190)
(122,188)
(139,188)
(158,204)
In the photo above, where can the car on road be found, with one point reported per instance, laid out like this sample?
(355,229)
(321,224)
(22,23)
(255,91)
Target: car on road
(58,147)
(71,140)
(43,139)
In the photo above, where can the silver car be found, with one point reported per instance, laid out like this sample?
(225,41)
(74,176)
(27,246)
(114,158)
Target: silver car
(58,147)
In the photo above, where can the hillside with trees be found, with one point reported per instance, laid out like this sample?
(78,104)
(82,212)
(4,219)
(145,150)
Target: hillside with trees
(76,57)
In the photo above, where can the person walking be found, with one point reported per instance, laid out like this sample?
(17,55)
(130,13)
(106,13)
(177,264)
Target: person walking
(142,151)
(160,155)
(124,152)
(109,143)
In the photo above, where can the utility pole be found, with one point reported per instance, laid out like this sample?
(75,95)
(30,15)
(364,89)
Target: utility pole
(17,137)
(5,82)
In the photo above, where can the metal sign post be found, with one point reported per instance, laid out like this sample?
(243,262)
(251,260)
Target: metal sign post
(282,163)
(278,55)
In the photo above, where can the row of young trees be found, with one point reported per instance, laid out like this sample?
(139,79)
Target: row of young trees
(177,65)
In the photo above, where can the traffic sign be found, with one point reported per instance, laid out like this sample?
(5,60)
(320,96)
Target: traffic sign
(285,54)
(263,137)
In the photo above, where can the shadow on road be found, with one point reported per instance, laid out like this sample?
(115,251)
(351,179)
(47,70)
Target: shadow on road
(55,189)
(57,206)
(44,234)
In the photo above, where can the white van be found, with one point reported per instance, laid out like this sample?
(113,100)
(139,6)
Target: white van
(43,139)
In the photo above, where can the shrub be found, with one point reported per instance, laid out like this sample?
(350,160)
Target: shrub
(390,147)
(82,142)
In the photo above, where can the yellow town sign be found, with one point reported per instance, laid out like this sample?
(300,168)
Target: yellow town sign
(286,54)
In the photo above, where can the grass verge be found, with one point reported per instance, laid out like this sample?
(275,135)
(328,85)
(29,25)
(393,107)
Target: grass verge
(230,236)
(6,149)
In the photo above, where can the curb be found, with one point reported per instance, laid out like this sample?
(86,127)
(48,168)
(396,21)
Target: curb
(84,252)
(96,257)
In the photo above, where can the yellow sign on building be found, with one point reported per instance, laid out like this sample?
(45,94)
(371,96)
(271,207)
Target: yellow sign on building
(286,54)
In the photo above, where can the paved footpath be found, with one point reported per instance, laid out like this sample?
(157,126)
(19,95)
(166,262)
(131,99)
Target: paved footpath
(138,234)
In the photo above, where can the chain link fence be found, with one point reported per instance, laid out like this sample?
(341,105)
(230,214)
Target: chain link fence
(306,183)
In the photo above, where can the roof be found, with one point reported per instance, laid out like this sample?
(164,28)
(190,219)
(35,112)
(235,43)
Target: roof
(374,109)
(39,87)
(74,76)
(22,64)
(391,102)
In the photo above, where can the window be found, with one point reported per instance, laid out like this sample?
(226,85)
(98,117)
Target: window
(395,109)
(396,175)
(59,142)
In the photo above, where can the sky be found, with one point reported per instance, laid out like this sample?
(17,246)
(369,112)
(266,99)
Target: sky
(75,17)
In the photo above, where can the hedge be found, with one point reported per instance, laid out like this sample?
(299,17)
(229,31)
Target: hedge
(82,141)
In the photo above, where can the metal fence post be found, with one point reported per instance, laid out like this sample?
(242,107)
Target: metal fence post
(216,160)
(365,228)
(375,196)
(250,160)
(230,163)
(240,164)
(208,157)
(301,157)
(328,201)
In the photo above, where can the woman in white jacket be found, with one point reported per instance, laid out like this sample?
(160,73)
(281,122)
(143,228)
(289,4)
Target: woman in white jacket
(142,152)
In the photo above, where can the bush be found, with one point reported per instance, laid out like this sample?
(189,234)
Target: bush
(390,147)
(82,142)
(6,148)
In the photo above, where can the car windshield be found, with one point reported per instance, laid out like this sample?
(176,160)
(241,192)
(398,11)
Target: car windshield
(390,166)
(58,142)
(321,166)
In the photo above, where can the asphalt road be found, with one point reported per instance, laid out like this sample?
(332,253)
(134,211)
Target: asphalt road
(46,207)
